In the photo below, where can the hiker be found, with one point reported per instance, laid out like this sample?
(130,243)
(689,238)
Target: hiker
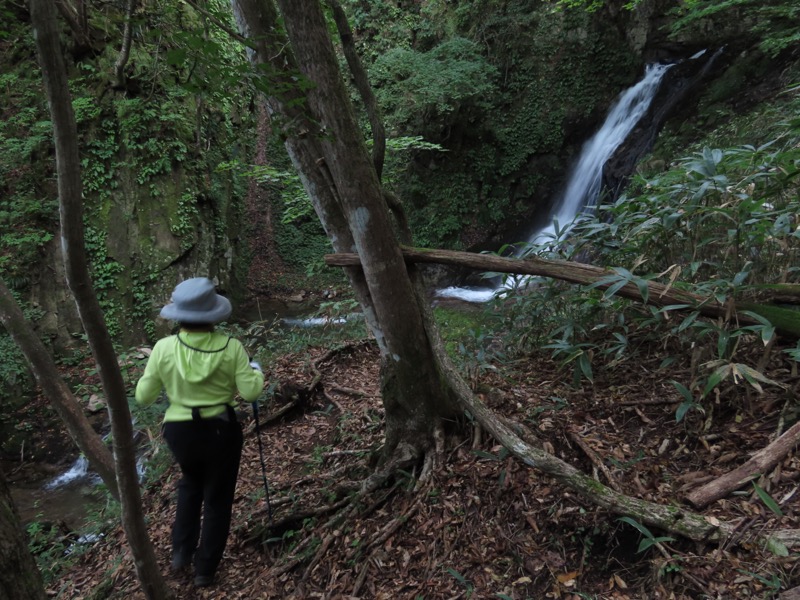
(202,371)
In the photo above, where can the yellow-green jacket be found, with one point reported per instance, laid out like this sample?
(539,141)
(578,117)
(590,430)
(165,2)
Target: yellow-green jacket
(199,369)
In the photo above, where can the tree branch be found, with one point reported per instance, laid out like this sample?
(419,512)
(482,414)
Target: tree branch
(125,51)
(761,462)
(229,30)
(361,80)
(659,294)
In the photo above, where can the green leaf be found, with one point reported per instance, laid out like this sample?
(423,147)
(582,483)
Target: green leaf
(768,500)
(777,547)
(638,526)
(176,56)
(586,367)
(687,395)
(682,410)
(461,579)
(485,455)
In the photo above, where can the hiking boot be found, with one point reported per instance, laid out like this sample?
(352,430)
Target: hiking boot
(181,560)
(203,580)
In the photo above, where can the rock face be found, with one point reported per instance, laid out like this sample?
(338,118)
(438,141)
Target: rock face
(149,244)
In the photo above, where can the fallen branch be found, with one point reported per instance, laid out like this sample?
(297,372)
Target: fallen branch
(594,458)
(785,321)
(653,402)
(350,391)
(761,462)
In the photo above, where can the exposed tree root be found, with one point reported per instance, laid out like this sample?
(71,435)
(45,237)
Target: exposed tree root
(402,459)
(673,519)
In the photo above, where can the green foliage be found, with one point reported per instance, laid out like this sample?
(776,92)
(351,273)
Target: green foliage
(648,538)
(48,546)
(13,367)
(432,87)
(775,23)
(768,500)
(28,205)
(720,222)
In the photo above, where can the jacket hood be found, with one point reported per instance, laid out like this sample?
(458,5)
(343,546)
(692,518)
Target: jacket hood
(199,354)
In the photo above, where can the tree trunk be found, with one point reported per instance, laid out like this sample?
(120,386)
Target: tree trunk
(786,321)
(43,18)
(19,576)
(328,150)
(57,392)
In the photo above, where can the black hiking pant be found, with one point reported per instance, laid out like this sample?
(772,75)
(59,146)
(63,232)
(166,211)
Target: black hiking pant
(208,452)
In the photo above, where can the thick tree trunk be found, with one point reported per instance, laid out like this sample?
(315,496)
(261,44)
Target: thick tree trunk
(328,150)
(658,293)
(57,392)
(43,17)
(19,577)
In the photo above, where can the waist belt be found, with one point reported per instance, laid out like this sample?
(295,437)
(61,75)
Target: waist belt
(228,415)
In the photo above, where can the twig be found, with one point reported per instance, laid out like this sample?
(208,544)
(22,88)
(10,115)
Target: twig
(595,459)
(335,453)
(651,402)
(321,551)
(350,391)
(322,476)
(298,516)
(362,577)
(333,400)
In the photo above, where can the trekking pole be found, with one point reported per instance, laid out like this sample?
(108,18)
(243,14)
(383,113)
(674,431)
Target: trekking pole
(261,455)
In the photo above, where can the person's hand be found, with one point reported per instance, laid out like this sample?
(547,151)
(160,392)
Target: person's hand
(256,366)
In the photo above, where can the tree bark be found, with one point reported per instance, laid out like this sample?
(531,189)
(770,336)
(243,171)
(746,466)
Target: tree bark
(19,576)
(658,293)
(57,392)
(761,463)
(361,81)
(328,150)
(125,50)
(43,18)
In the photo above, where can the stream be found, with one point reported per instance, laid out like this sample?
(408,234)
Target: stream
(67,496)
(64,498)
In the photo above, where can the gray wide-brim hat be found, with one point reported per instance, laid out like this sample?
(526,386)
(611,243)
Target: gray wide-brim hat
(196,301)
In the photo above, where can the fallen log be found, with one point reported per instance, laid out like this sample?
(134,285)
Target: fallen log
(761,462)
(786,321)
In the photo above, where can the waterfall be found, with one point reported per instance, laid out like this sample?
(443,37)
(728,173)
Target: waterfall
(584,182)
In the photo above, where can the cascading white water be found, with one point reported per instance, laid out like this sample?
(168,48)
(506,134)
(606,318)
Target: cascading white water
(583,184)
(77,472)
(584,181)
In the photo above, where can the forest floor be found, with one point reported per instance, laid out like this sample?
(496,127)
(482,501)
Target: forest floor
(485,525)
